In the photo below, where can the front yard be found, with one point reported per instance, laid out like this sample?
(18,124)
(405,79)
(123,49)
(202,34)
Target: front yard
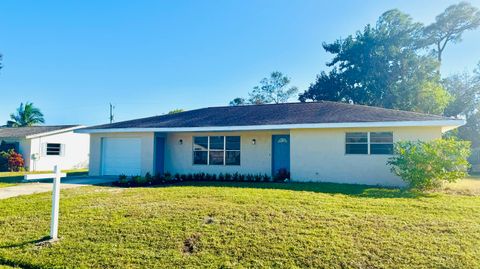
(13,178)
(244,225)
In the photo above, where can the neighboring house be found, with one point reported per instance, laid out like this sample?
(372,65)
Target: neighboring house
(317,141)
(43,147)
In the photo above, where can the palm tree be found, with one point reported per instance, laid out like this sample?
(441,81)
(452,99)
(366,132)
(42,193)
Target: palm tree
(27,115)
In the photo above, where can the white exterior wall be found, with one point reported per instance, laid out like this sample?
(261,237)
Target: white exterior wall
(315,154)
(319,155)
(76,152)
(253,158)
(147,151)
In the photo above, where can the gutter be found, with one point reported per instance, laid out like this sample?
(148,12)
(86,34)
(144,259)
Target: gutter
(447,124)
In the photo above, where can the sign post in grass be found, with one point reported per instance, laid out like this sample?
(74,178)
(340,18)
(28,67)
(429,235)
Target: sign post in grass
(57,174)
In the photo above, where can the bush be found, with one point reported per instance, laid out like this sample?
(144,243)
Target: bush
(427,165)
(12,161)
(167,178)
(282,175)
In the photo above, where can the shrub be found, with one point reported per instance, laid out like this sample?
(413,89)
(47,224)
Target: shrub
(427,165)
(13,161)
(167,178)
(282,175)
(138,181)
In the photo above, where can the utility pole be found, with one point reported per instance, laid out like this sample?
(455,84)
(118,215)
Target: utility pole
(112,107)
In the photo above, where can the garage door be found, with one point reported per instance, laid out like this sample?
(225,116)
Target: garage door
(121,156)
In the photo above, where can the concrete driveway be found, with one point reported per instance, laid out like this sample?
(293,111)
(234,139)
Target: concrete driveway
(65,183)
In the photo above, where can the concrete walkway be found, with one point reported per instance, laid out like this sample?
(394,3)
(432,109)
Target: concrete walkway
(66,183)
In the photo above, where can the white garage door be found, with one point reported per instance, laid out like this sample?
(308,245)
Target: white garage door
(121,156)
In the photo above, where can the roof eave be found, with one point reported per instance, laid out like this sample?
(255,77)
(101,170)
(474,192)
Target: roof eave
(55,132)
(445,124)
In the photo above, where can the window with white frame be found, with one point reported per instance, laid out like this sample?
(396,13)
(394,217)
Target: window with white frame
(54,149)
(356,143)
(381,143)
(216,150)
(374,143)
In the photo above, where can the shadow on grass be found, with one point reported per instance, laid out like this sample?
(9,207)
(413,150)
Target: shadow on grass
(366,191)
(16,245)
(18,264)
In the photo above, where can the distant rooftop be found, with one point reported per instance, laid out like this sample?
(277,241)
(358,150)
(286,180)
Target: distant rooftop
(23,132)
(274,114)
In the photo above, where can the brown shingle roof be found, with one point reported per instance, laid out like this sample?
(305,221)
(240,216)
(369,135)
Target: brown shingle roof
(273,114)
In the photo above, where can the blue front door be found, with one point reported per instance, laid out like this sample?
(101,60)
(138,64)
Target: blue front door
(280,153)
(160,155)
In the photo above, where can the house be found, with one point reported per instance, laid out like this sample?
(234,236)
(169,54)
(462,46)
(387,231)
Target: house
(317,141)
(43,147)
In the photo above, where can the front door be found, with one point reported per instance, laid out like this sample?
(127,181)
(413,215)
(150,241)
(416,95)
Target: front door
(160,155)
(280,153)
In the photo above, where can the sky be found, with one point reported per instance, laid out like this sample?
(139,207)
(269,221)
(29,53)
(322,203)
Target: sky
(73,58)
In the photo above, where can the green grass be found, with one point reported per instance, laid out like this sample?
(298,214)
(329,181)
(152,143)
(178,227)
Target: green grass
(12,178)
(244,225)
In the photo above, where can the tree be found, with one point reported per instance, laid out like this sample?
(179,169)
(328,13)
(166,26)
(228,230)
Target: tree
(465,91)
(432,98)
(238,102)
(272,90)
(450,25)
(26,115)
(175,111)
(381,66)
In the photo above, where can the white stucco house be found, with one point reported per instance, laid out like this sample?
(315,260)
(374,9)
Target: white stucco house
(43,147)
(316,141)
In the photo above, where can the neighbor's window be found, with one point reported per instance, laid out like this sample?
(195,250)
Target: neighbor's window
(53,149)
(356,143)
(381,143)
(216,150)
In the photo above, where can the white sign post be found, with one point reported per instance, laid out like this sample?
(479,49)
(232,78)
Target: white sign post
(57,174)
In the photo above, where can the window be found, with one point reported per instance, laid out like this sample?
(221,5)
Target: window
(381,143)
(216,150)
(53,149)
(200,150)
(356,143)
(232,151)
(374,143)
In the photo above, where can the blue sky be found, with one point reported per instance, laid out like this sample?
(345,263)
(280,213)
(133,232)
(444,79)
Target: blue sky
(71,58)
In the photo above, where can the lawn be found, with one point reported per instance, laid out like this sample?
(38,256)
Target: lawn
(466,186)
(244,225)
(12,178)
